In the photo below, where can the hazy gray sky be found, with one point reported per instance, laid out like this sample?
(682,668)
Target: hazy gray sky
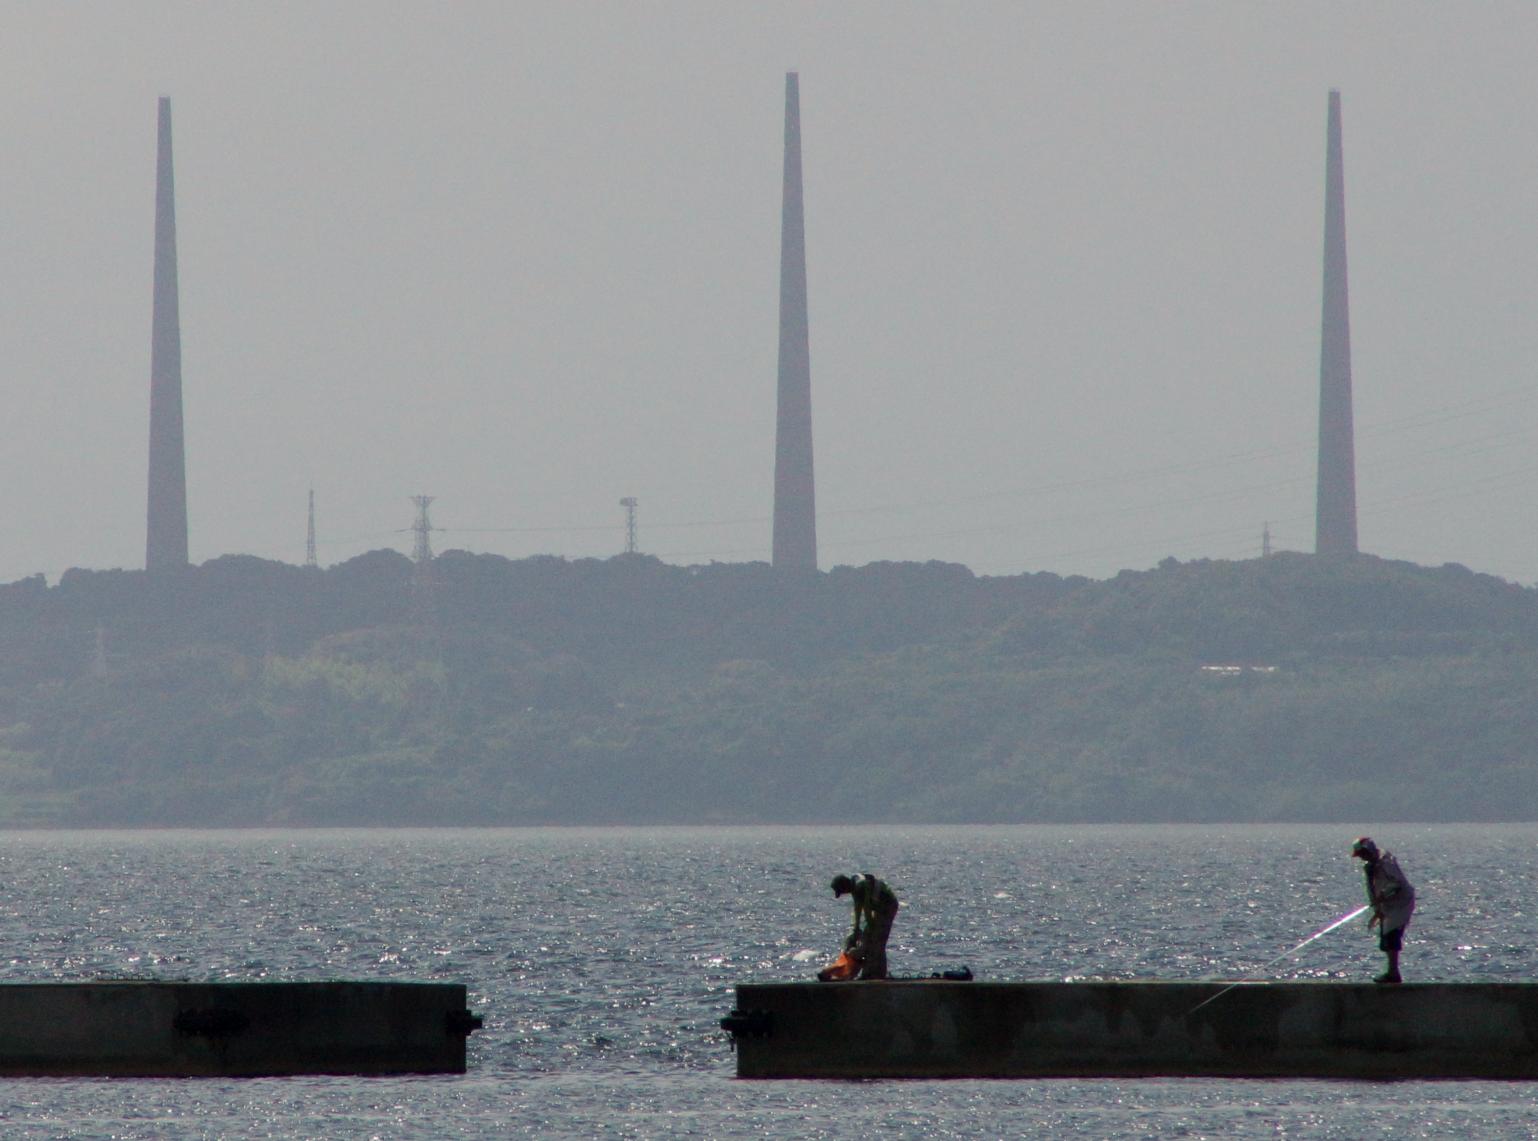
(1063,263)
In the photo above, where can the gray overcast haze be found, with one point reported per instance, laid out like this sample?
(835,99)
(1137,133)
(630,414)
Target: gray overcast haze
(1063,258)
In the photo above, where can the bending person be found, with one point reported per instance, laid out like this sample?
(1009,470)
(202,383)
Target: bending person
(875,907)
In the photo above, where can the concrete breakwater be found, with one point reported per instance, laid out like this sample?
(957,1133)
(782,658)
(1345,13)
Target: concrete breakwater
(941,1029)
(137,1028)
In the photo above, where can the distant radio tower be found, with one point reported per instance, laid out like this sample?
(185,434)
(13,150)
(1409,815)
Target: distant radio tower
(1265,541)
(309,541)
(422,552)
(629,504)
(424,606)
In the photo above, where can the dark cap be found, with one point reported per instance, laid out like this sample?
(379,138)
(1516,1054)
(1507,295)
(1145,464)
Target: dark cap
(1364,847)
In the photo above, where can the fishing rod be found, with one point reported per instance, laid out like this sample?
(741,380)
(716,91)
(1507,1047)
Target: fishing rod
(1317,934)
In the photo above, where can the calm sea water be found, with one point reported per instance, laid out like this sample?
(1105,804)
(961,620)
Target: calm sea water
(602,960)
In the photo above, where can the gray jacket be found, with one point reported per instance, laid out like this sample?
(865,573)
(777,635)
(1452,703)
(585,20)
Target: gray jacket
(1390,893)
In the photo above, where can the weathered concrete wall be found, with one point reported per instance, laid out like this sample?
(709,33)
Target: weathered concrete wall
(933,1029)
(155,1029)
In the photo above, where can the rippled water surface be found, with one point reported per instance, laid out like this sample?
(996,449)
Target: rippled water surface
(603,959)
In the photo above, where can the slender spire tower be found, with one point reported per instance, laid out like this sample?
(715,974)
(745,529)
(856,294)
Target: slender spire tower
(1335,518)
(795,501)
(166,539)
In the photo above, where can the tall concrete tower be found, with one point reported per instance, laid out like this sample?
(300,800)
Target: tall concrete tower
(165,545)
(1335,517)
(795,501)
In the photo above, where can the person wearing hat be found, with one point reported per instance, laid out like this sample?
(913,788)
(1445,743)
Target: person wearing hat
(875,907)
(1392,899)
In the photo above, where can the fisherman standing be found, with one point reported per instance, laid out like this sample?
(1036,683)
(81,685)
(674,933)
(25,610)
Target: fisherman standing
(875,906)
(1392,900)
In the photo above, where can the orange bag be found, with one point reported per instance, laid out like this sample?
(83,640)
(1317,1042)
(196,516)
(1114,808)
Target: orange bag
(841,969)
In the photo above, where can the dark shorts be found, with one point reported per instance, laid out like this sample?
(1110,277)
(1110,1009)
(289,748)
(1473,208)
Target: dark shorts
(1391,940)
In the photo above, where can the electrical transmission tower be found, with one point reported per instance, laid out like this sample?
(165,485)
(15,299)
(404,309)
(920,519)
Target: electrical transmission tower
(424,605)
(1265,541)
(426,615)
(629,504)
(422,550)
(309,542)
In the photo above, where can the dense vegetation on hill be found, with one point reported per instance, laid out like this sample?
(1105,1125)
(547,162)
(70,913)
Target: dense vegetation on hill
(246,692)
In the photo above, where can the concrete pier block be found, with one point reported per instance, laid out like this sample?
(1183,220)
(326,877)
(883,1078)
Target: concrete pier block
(184,1029)
(939,1029)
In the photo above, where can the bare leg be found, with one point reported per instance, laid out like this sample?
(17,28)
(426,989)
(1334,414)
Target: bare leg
(1392,974)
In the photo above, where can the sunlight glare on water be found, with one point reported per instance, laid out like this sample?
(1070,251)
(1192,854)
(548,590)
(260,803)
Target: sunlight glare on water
(603,959)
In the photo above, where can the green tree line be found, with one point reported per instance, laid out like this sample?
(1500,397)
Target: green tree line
(492,691)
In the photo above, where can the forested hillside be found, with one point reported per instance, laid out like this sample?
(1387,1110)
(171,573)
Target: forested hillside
(245,692)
